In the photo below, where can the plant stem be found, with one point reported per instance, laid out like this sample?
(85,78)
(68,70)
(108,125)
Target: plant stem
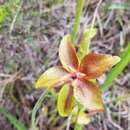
(36,107)
(78,13)
(78,126)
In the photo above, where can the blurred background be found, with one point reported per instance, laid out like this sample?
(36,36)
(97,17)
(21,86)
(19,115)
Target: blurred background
(30,34)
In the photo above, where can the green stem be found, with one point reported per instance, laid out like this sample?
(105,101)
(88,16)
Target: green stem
(78,13)
(36,107)
(78,126)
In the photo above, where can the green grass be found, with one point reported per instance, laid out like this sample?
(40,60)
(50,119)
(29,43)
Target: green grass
(125,60)
(12,119)
(36,107)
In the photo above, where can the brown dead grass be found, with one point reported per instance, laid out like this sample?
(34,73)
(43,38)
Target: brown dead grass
(32,47)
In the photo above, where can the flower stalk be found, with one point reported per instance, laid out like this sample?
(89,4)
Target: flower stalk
(78,13)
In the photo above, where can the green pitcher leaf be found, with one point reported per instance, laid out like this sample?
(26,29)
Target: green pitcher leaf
(65,100)
(83,47)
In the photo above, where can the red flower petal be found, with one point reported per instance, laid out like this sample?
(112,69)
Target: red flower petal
(67,54)
(94,65)
(88,94)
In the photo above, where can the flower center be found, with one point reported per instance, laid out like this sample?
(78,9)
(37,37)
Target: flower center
(77,74)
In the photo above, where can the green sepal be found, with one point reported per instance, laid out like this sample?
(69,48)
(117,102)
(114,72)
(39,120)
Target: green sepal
(65,100)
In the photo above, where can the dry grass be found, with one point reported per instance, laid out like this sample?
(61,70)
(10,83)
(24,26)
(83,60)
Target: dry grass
(29,45)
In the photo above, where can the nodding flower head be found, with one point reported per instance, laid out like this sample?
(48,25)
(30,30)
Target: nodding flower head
(78,78)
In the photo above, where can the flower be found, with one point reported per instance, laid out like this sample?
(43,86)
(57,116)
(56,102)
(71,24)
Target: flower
(77,75)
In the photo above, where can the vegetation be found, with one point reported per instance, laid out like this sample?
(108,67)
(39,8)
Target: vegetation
(86,86)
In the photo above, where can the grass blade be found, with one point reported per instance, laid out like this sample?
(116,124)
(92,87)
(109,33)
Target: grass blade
(125,60)
(119,6)
(36,107)
(12,119)
(119,99)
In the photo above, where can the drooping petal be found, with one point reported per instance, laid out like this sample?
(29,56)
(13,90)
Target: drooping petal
(52,77)
(88,94)
(67,54)
(94,65)
(83,118)
(65,100)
